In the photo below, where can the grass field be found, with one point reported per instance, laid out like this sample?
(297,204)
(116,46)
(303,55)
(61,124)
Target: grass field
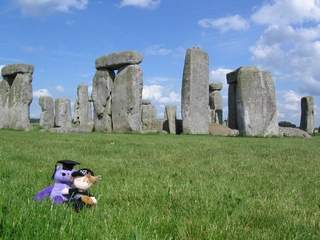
(164,187)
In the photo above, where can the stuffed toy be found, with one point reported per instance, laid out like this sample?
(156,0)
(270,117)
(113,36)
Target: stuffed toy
(62,180)
(78,194)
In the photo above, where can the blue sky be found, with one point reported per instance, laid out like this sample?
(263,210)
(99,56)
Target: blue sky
(62,39)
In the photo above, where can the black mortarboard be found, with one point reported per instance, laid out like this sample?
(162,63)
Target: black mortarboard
(68,164)
(82,172)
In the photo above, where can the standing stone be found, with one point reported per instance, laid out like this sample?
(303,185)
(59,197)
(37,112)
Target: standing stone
(17,96)
(127,99)
(195,98)
(101,96)
(148,115)
(307,114)
(4,104)
(62,113)
(216,103)
(171,118)
(47,112)
(253,101)
(82,106)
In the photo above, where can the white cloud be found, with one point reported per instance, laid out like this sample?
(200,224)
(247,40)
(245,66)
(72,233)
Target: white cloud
(287,12)
(140,3)
(161,96)
(60,88)
(40,7)
(41,92)
(1,66)
(235,23)
(157,50)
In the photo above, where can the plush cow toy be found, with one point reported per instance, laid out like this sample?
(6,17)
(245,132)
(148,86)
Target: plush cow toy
(79,195)
(62,180)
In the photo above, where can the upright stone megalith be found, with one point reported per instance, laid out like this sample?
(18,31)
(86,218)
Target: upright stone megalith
(252,102)
(16,96)
(82,108)
(47,112)
(195,97)
(101,96)
(171,119)
(127,100)
(117,92)
(62,118)
(216,103)
(148,115)
(307,114)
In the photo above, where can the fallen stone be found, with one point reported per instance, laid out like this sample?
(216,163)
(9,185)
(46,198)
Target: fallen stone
(307,121)
(127,100)
(293,132)
(47,112)
(220,130)
(195,97)
(62,113)
(254,101)
(118,60)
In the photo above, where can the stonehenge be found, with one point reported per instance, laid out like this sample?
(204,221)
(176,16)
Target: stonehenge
(194,93)
(252,102)
(16,96)
(216,103)
(117,92)
(307,122)
(47,112)
(116,105)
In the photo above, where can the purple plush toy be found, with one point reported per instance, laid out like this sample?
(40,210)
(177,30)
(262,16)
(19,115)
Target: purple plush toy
(62,179)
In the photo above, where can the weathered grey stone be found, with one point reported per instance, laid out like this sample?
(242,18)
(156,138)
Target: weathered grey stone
(220,130)
(62,117)
(47,112)
(19,101)
(215,87)
(232,105)
(14,69)
(82,106)
(16,96)
(127,100)
(146,102)
(216,103)
(171,118)
(255,102)
(195,97)
(118,60)
(293,132)
(4,104)
(101,95)
(148,116)
(307,114)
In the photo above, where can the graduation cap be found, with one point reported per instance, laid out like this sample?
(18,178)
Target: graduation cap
(82,172)
(64,165)
(67,164)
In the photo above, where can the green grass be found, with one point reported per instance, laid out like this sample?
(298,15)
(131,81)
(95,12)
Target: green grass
(164,187)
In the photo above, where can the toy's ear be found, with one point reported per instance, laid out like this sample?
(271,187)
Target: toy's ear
(57,167)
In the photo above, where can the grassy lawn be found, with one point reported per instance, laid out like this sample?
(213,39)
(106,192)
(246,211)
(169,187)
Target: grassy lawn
(164,187)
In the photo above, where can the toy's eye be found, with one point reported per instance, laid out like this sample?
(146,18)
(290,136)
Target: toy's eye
(63,174)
